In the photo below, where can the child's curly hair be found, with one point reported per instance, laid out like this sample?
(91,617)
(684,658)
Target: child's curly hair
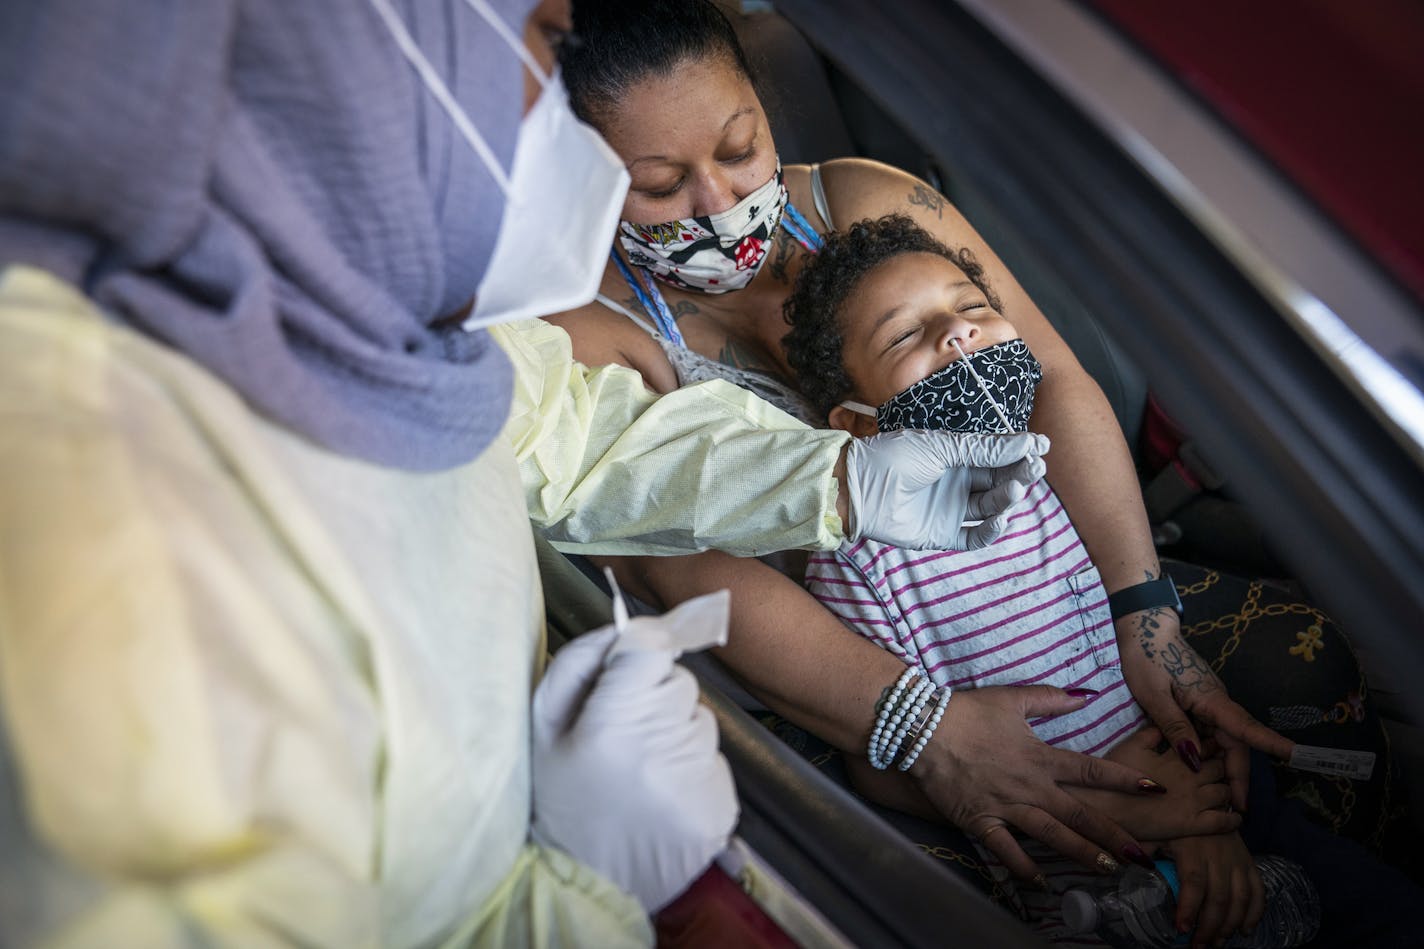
(813,347)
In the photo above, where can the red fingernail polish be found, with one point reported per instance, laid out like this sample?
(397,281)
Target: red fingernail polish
(1150,786)
(1189,754)
(1134,853)
(1081,693)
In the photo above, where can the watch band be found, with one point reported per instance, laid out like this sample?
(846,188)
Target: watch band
(1144,596)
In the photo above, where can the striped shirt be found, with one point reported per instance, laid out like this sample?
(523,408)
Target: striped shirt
(1028,609)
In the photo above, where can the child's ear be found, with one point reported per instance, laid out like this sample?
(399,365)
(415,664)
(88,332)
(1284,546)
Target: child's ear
(849,420)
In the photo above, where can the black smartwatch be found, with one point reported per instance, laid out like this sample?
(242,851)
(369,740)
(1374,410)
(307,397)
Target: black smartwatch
(1145,596)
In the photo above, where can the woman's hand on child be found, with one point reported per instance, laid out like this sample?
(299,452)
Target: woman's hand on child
(1174,685)
(916,489)
(1221,891)
(1190,803)
(985,768)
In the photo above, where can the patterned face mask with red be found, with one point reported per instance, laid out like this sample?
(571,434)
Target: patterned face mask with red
(714,253)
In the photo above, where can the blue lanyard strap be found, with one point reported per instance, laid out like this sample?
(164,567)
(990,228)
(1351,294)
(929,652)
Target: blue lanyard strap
(651,299)
(798,227)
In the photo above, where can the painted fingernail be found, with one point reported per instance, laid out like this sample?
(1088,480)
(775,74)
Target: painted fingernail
(1106,864)
(1150,786)
(1041,882)
(1134,853)
(1189,754)
(1081,693)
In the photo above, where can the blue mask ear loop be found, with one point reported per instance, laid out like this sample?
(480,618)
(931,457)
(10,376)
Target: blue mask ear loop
(983,387)
(798,227)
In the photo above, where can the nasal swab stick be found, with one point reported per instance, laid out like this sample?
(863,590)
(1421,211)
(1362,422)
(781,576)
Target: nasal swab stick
(982,385)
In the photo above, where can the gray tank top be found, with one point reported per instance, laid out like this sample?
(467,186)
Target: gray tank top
(693,367)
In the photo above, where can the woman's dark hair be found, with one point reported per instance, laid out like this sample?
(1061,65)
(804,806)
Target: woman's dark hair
(618,43)
(814,345)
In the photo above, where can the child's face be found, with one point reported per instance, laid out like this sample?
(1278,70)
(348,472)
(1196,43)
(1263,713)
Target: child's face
(897,325)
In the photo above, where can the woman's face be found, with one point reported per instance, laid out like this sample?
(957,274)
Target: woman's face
(695,142)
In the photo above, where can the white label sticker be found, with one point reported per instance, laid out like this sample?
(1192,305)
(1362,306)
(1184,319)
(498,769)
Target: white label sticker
(1356,765)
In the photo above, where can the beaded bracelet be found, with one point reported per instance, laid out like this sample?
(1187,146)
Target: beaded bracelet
(920,722)
(895,716)
(886,710)
(915,701)
(942,701)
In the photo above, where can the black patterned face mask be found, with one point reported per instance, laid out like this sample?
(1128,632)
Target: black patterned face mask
(954,400)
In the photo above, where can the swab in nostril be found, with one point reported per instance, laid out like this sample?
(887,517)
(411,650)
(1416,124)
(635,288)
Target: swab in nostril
(982,385)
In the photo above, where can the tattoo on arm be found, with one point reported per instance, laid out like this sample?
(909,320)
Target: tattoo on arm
(1148,629)
(1181,661)
(928,199)
(1187,669)
(1148,625)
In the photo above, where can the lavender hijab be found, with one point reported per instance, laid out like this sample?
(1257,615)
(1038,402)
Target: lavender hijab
(265,186)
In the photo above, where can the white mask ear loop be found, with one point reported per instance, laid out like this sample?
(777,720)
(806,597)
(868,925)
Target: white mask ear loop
(411,51)
(860,407)
(983,386)
(483,8)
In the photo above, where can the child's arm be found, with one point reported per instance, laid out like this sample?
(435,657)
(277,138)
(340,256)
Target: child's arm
(1221,890)
(1193,802)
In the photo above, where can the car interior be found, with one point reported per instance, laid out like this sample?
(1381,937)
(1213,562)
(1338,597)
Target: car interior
(1255,456)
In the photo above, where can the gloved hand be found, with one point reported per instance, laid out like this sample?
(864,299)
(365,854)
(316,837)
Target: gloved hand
(915,489)
(627,775)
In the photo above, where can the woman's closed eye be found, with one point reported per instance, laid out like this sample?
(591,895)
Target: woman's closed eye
(663,192)
(742,156)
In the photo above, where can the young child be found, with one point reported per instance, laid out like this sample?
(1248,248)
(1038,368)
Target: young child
(891,329)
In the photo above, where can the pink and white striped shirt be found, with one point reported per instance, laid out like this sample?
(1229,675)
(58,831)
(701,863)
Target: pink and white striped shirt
(1029,608)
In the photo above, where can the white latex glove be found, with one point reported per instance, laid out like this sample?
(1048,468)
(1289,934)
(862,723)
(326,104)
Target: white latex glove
(627,775)
(915,489)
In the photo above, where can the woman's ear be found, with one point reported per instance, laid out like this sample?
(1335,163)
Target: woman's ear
(849,420)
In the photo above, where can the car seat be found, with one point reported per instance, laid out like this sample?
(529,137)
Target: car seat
(816,114)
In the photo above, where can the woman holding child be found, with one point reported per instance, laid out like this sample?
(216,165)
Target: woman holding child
(714,235)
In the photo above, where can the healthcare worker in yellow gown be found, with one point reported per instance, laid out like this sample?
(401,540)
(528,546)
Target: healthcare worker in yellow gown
(270,624)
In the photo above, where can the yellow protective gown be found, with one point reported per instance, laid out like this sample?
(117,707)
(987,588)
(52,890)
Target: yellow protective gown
(611,468)
(256,693)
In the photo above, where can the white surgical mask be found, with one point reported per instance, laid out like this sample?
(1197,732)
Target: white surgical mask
(565,181)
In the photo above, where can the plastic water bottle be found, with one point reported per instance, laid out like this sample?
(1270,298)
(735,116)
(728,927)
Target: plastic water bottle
(1139,912)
